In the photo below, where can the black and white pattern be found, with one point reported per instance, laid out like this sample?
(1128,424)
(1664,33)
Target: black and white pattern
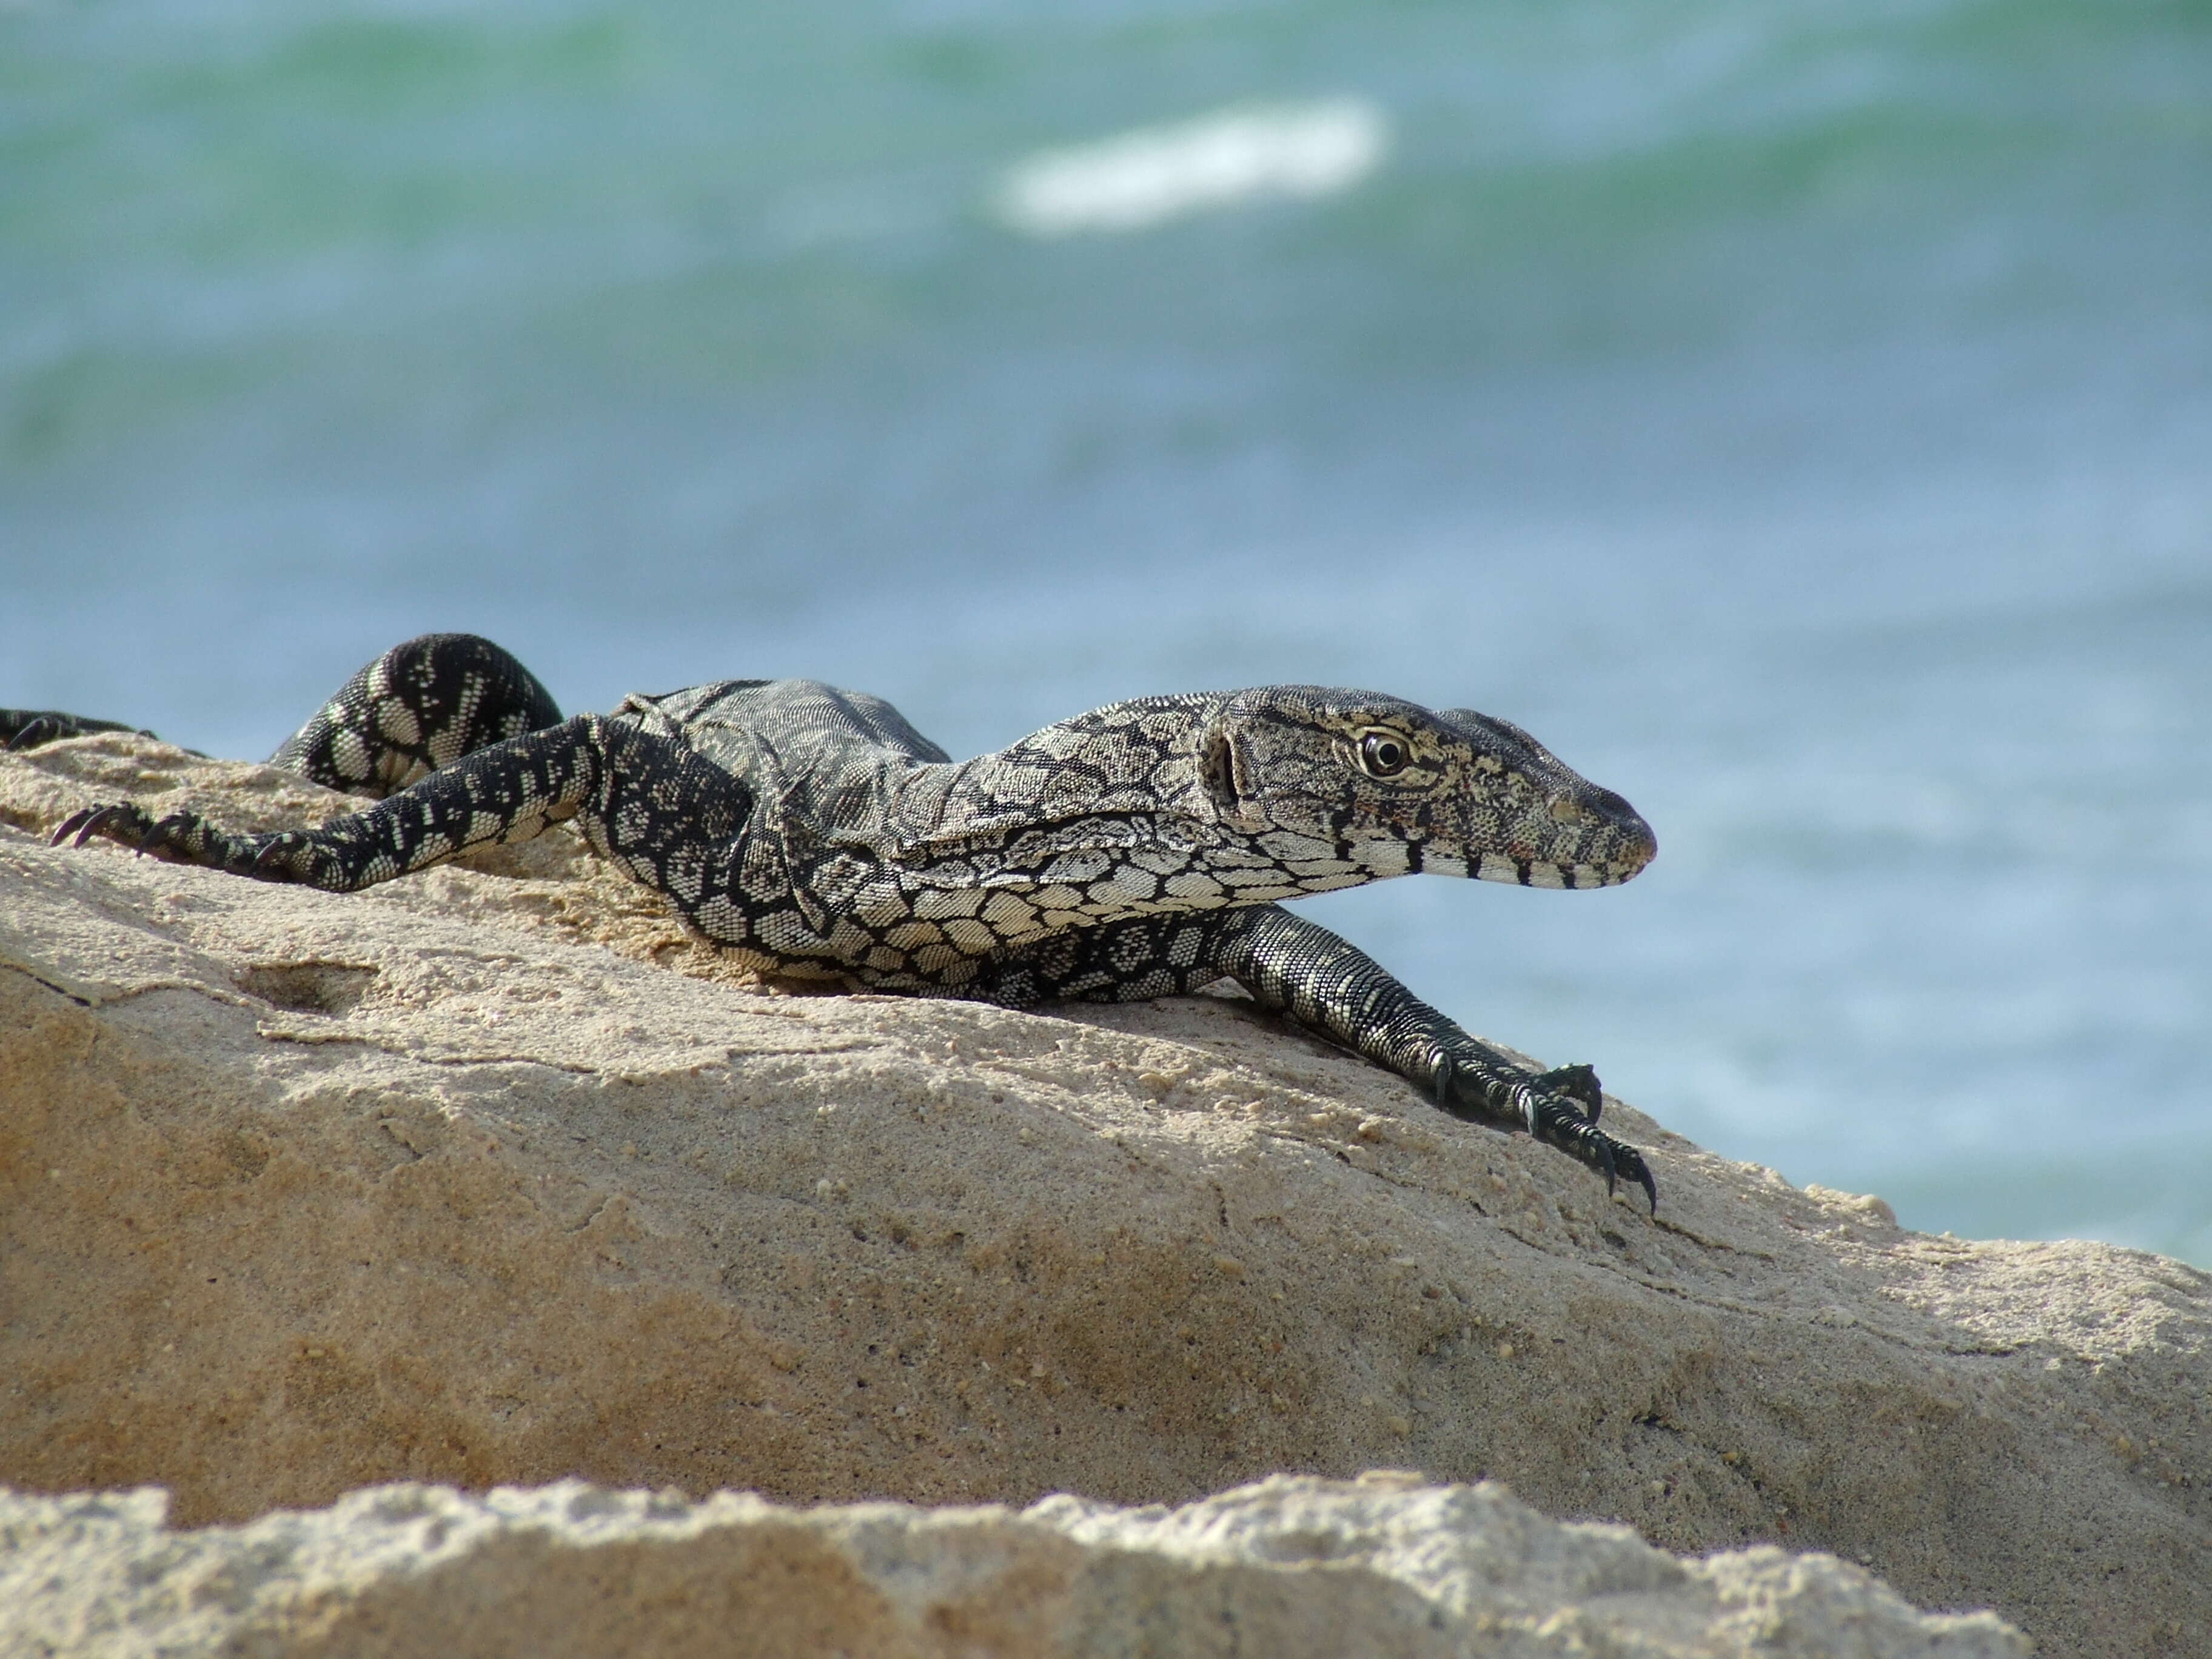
(1141,850)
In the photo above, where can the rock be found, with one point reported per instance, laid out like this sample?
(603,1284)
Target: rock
(488,1176)
(1292,1567)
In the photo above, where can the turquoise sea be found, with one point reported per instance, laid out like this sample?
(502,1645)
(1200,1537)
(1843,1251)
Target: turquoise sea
(1797,413)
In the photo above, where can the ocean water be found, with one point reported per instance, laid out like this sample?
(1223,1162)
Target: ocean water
(1798,413)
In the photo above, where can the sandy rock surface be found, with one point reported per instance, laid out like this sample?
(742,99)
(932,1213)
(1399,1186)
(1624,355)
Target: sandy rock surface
(1293,1568)
(486,1177)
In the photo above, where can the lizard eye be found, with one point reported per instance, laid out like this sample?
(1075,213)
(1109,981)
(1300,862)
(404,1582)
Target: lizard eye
(1383,754)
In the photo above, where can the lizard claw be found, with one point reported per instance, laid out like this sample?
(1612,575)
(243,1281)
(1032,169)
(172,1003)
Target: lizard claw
(1634,1166)
(1560,1107)
(1608,1162)
(1557,1123)
(120,822)
(31,734)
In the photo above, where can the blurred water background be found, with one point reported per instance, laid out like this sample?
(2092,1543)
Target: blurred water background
(1797,413)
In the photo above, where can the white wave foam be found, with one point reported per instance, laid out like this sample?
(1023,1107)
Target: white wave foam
(1138,180)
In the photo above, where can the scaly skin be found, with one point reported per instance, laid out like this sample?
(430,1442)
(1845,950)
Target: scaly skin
(1137,851)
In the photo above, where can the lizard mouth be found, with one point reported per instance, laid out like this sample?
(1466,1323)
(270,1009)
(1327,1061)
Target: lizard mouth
(1620,853)
(1639,848)
(1613,845)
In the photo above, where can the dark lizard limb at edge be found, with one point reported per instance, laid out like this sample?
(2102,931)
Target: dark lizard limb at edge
(24,729)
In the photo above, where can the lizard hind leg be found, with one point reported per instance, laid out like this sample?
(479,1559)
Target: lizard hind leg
(509,791)
(422,705)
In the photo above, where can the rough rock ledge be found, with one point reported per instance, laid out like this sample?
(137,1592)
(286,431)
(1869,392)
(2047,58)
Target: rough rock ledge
(1293,1568)
(488,1177)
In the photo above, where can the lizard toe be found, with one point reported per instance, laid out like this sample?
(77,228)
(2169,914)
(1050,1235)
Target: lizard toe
(1577,1083)
(119,820)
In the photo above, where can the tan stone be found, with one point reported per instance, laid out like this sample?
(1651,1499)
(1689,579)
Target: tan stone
(490,1176)
(1293,1568)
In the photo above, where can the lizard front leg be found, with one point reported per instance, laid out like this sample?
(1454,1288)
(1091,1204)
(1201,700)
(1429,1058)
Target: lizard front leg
(1331,986)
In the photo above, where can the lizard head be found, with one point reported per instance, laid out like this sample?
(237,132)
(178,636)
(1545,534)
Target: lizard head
(1389,787)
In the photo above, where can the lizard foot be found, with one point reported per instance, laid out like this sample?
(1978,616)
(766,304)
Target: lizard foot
(1559,1106)
(1552,1119)
(188,838)
(1577,1083)
(121,822)
(180,839)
